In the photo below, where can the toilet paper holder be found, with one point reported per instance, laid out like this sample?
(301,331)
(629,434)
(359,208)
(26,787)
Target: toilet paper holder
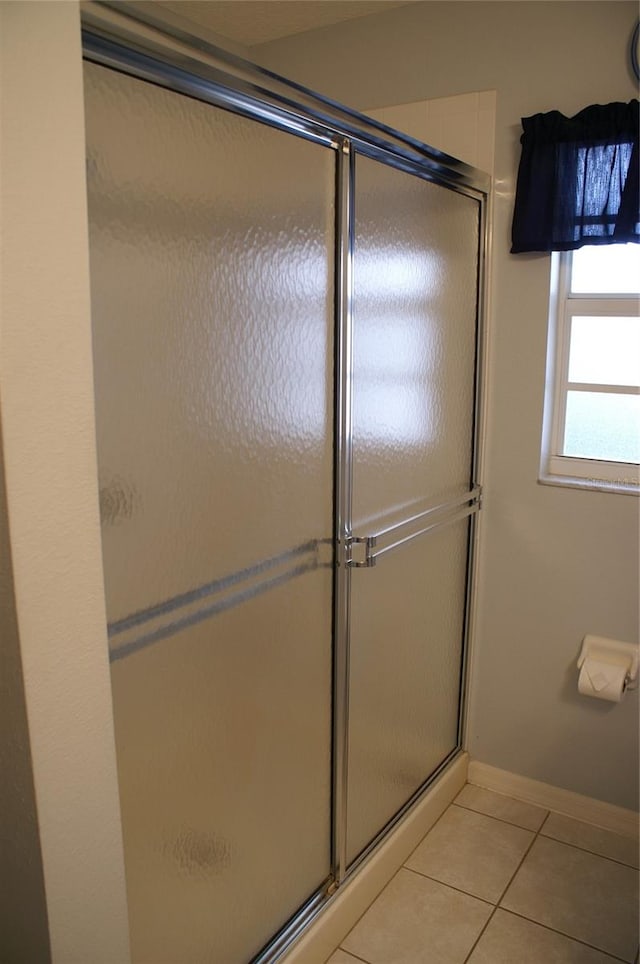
(613,651)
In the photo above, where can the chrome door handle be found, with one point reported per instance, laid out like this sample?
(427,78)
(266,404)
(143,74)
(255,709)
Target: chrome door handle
(364,551)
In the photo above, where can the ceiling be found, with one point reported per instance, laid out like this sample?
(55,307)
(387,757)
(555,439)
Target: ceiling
(252,22)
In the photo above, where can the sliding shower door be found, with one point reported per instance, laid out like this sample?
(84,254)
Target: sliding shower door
(414,363)
(285,324)
(212,275)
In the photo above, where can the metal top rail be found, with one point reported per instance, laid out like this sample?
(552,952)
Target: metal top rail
(158,45)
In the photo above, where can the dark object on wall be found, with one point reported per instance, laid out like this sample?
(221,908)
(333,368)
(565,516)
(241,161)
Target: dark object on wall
(634,51)
(578,179)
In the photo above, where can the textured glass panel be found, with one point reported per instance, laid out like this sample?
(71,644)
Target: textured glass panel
(223,735)
(606,269)
(605,350)
(602,426)
(406,642)
(415,279)
(212,312)
(211,263)
(415,284)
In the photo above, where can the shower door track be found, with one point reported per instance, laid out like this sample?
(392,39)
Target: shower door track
(130,38)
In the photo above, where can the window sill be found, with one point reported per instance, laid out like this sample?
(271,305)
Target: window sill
(627,481)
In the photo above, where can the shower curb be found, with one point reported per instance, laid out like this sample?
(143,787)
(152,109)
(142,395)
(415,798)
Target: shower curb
(345,908)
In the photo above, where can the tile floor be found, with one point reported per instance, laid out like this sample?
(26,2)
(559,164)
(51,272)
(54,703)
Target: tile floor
(497,881)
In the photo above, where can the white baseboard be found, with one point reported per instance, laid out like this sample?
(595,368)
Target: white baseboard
(349,903)
(605,815)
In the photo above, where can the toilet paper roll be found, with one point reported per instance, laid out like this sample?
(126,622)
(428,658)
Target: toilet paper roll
(605,681)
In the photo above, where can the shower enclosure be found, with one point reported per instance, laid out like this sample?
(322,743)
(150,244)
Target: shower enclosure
(285,302)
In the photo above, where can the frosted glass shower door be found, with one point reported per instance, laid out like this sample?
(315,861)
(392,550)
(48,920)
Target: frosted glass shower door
(414,359)
(211,242)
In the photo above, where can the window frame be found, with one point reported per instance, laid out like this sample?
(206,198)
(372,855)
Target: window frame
(556,468)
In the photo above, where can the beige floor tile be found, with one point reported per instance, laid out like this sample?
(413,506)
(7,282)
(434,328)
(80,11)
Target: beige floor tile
(472,852)
(341,957)
(418,921)
(581,895)
(598,841)
(524,815)
(509,938)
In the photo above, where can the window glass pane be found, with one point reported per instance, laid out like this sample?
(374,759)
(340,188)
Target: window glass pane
(605,350)
(602,426)
(606,269)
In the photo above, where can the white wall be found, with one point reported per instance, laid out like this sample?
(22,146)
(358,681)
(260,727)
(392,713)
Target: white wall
(46,399)
(463,126)
(555,563)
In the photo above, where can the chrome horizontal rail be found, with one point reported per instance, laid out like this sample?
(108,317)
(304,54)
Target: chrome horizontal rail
(214,88)
(143,628)
(158,45)
(439,515)
(461,514)
(470,496)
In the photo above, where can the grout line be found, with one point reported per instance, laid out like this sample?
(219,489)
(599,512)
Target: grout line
(364,912)
(548,836)
(571,937)
(351,954)
(509,882)
(450,886)
(509,823)
(559,809)
(475,943)
(431,828)
(524,857)
(611,860)
(586,850)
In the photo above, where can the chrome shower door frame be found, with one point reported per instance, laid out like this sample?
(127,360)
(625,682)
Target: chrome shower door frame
(134,39)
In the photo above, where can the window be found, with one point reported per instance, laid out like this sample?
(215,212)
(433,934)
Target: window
(591,431)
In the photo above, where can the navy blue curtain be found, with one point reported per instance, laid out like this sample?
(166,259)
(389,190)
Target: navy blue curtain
(578,179)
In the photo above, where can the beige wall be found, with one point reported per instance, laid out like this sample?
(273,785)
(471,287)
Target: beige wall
(46,399)
(24,936)
(555,563)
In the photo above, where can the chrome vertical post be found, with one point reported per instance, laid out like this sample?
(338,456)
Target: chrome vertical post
(343,496)
(484,242)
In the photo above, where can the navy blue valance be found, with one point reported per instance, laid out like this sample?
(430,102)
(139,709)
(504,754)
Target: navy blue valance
(578,179)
